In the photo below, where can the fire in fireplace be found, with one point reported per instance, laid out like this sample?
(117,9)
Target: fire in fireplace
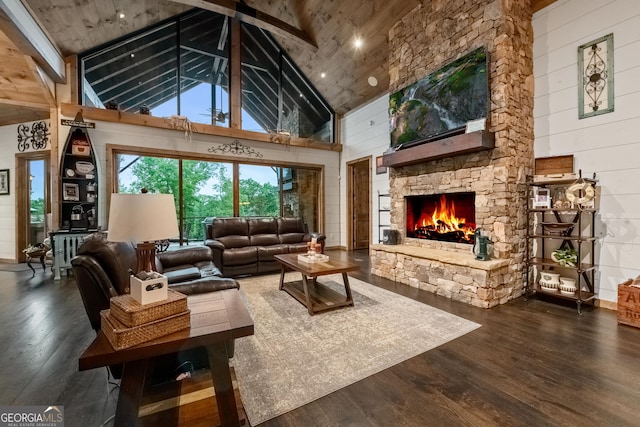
(446,217)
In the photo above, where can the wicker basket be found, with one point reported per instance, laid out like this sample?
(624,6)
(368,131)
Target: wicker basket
(121,336)
(131,313)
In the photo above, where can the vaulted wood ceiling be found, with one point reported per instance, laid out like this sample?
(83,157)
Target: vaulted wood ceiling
(23,95)
(333,25)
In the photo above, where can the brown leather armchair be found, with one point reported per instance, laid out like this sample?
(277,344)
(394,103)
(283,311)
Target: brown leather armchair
(101,271)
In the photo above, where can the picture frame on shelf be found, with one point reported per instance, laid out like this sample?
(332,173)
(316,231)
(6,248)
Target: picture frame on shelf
(70,192)
(542,198)
(4,182)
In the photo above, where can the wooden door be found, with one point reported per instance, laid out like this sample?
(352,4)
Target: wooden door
(33,200)
(360,198)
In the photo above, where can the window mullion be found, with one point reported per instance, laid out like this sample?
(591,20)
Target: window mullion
(235,83)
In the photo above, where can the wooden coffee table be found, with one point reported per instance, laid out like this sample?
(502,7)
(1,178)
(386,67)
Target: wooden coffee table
(216,319)
(313,295)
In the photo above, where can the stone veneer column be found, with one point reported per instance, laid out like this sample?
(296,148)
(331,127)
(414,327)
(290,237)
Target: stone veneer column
(434,34)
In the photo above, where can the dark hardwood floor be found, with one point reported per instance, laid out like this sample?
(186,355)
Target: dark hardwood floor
(532,363)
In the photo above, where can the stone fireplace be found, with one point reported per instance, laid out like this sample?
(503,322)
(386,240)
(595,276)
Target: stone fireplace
(493,176)
(447,217)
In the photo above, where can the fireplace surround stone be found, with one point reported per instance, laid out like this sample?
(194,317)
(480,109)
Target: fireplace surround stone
(433,34)
(454,275)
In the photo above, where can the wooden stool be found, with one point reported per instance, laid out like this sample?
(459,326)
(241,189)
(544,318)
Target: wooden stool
(42,253)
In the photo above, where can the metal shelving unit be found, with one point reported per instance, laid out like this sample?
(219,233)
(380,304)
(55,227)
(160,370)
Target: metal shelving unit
(561,228)
(382,209)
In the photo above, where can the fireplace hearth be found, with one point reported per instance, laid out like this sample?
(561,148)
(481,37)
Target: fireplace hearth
(448,217)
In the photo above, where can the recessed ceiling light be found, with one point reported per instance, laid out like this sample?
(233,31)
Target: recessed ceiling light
(357,42)
(323,74)
(121,15)
(133,54)
(372,81)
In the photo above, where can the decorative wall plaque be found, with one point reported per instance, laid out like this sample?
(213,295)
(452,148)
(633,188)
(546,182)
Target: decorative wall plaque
(236,148)
(35,138)
(595,77)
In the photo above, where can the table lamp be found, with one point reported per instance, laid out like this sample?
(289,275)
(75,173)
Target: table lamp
(142,218)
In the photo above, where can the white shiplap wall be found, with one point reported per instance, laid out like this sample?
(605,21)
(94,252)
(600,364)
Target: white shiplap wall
(140,136)
(8,150)
(365,133)
(608,144)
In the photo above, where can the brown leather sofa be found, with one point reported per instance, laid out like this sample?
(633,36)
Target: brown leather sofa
(243,246)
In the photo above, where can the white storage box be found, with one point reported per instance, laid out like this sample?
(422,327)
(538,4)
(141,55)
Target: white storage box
(150,290)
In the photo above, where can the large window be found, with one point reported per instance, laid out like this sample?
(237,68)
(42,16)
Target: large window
(259,190)
(204,68)
(206,188)
(276,95)
(182,67)
(137,72)
(260,81)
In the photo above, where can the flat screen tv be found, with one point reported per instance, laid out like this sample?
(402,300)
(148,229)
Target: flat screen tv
(441,103)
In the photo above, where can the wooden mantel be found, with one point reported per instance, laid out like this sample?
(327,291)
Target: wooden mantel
(459,144)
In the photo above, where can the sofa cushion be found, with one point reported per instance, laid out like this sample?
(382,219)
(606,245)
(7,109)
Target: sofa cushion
(231,232)
(221,227)
(182,273)
(297,247)
(262,226)
(234,241)
(263,231)
(240,256)
(264,240)
(291,225)
(205,284)
(291,230)
(208,268)
(184,255)
(289,238)
(266,253)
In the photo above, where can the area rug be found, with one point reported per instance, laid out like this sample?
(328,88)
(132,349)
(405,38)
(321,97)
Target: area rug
(295,358)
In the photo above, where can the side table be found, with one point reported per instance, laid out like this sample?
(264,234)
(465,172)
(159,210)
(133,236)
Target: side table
(217,318)
(64,245)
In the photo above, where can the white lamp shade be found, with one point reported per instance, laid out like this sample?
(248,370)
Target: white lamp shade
(142,217)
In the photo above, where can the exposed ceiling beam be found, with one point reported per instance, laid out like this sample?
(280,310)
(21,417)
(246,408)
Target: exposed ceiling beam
(26,104)
(254,17)
(19,24)
(41,78)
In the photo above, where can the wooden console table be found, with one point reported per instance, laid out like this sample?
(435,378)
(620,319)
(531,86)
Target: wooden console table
(217,318)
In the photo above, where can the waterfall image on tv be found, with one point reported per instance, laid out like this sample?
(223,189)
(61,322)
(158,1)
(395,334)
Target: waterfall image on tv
(441,103)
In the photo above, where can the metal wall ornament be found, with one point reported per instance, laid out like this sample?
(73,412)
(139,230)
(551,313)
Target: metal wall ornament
(35,138)
(236,148)
(595,77)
